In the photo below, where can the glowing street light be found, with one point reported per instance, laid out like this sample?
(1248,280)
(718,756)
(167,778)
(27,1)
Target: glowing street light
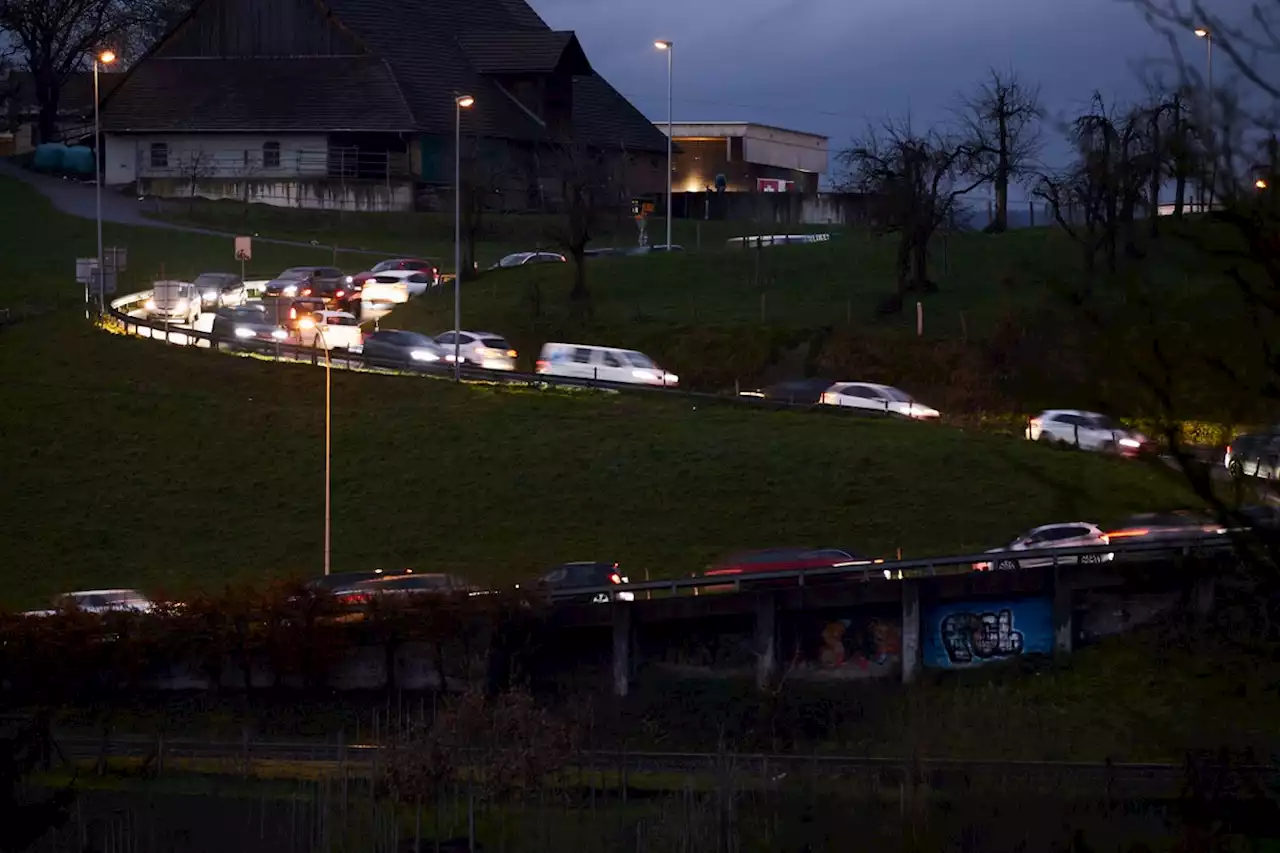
(106,57)
(461,102)
(669,47)
(1261,183)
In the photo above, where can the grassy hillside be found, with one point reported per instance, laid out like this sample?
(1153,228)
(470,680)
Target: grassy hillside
(131,463)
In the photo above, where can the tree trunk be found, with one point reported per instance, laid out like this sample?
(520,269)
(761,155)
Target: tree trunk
(1000,223)
(580,296)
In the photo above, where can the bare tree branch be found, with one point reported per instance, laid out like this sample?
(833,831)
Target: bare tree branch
(1002,128)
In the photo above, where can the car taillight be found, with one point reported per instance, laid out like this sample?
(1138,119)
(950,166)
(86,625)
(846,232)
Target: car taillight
(1035,422)
(293,313)
(615,578)
(341,294)
(511,353)
(1106,540)
(306,291)
(541,365)
(1122,534)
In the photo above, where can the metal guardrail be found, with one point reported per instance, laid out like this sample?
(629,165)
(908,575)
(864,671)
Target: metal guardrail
(771,767)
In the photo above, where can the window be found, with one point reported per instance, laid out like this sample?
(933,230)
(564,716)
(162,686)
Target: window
(582,355)
(466,339)
(446,338)
(339,320)
(639,359)
(611,360)
(159,155)
(419,278)
(271,155)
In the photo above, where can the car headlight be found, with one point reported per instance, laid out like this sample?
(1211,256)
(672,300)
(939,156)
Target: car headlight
(181,306)
(150,305)
(291,290)
(306,323)
(646,375)
(211,294)
(244,332)
(670,377)
(349,279)
(279,334)
(1130,442)
(423,355)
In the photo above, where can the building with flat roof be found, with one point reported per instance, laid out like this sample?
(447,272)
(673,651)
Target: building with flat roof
(750,157)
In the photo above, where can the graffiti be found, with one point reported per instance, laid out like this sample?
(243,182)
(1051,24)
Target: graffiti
(970,633)
(858,647)
(966,636)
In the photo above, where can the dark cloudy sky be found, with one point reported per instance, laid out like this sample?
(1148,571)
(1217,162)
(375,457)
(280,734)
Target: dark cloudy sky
(830,66)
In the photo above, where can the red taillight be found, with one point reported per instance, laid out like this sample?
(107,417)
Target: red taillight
(541,365)
(341,294)
(306,291)
(293,313)
(615,578)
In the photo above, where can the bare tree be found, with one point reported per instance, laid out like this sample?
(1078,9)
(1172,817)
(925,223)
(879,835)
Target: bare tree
(194,165)
(55,38)
(1002,128)
(588,194)
(914,179)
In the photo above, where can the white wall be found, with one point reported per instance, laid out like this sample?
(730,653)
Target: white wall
(773,147)
(308,193)
(238,155)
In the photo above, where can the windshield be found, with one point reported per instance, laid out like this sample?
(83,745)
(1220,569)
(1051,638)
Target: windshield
(513,260)
(168,290)
(895,395)
(495,343)
(340,320)
(211,280)
(1102,422)
(415,339)
(295,274)
(639,359)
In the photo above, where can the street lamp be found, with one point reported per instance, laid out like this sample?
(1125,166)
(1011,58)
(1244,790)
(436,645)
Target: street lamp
(1261,183)
(669,47)
(460,102)
(105,58)
(1207,35)
(328,445)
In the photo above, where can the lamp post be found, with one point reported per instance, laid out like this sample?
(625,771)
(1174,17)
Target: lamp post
(105,58)
(669,47)
(328,446)
(1207,34)
(460,103)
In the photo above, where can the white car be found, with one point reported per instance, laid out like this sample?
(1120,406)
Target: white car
(877,398)
(1084,430)
(395,286)
(524,259)
(1075,534)
(482,349)
(99,601)
(603,364)
(174,300)
(330,330)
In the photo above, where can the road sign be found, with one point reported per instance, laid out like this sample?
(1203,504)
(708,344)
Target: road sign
(106,283)
(244,248)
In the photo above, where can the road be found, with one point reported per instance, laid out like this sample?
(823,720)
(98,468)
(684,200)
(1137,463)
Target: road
(78,199)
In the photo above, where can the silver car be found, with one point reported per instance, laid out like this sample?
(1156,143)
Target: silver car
(174,300)
(1075,534)
(480,349)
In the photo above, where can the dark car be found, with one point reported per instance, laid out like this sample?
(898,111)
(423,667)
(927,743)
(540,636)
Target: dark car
(1254,455)
(790,559)
(247,328)
(796,392)
(404,350)
(345,580)
(610,252)
(571,576)
(307,281)
(524,259)
(1178,528)
(401,586)
(220,289)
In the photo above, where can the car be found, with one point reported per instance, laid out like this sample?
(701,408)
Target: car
(247,327)
(404,350)
(407,585)
(480,349)
(173,300)
(428,267)
(306,281)
(99,601)
(220,289)
(524,259)
(661,247)
(796,392)
(609,252)
(1086,431)
(569,576)
(604,364)
(1179,527)
(877,398)
(1075,534)
(333,330)
(394,286)
(787,559)
(1254,455)
(292,312)
(346,580)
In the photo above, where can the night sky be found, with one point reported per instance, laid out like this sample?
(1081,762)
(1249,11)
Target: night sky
(830,66)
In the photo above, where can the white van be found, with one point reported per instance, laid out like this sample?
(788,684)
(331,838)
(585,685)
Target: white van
(174,300)
(603,364)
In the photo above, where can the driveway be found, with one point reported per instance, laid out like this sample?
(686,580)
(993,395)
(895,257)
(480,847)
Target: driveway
(77,199)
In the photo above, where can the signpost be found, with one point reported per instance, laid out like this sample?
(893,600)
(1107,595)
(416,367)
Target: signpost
(641,209)
(101,283)
(244,252)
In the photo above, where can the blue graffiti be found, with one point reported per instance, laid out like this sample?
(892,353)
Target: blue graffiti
(970,637)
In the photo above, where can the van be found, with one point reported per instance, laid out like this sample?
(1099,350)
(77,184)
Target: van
(602,364)
(174,300)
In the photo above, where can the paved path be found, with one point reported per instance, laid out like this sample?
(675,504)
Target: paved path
(77,199)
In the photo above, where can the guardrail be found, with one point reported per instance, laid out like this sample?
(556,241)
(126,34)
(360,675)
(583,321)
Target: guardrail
(1133,778)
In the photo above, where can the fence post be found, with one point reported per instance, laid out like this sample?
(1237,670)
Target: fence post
(766,641)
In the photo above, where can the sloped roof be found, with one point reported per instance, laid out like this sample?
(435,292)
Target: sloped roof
(302,94)
(18,90)
(434,50)
(524,51)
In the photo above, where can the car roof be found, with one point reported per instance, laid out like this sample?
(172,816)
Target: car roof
(87,592)
(1081,412)
(328,313)
(1058,524)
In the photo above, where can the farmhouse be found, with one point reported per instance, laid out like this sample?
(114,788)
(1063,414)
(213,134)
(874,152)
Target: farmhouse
(351,104)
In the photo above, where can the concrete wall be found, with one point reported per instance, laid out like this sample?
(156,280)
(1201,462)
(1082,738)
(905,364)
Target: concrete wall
(774,208)
(310,194)
(206,155)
